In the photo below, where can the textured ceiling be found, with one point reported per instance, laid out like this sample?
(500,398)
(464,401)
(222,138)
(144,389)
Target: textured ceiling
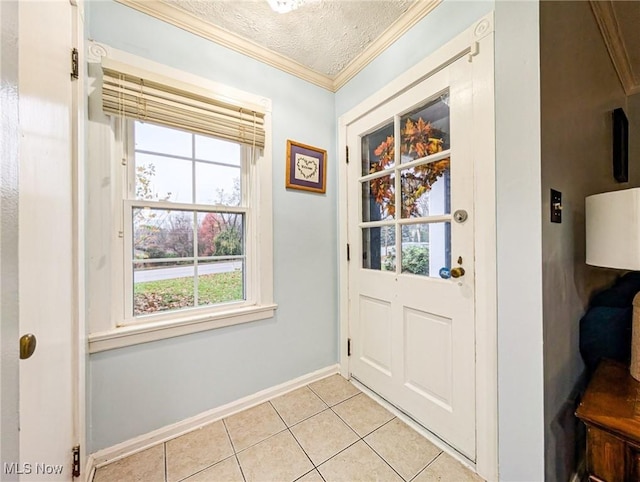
(323,35)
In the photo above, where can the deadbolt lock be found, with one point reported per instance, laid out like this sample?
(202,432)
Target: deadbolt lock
(457,272)
(460,216)
(27,345)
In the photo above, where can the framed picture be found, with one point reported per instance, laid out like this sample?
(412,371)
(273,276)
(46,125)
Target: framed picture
(306,167)
(620,146)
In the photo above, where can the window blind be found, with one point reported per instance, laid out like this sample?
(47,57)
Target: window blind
(126,92)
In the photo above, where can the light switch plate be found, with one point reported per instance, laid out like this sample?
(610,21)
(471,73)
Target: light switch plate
(556,206)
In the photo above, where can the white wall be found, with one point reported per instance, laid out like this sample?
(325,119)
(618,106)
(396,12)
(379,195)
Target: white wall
(520,376)
(9,333)
(579,90)
(141,388)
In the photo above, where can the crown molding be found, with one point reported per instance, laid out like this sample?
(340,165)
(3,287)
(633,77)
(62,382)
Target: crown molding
(607,21)
(189,22)
(416,12)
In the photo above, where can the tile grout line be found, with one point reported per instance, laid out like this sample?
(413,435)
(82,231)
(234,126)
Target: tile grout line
(388,463)
(226,429)
(362,438)
(329,407)
(166,463)
(233,448)
(349,425)
(298,442)
(429,464)
(303,450)
(384,460)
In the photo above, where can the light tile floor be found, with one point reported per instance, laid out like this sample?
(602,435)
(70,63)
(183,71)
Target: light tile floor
(327,431)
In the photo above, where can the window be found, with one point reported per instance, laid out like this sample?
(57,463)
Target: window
(187,217)
(185,213)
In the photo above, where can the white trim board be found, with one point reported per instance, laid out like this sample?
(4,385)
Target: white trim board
(195,25)
(476,43)
(161,435)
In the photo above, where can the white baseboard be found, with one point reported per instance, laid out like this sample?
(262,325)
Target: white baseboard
(89,470)
(143,442)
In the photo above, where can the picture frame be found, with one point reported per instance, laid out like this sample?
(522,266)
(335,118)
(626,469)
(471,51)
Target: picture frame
(306,167)
(620,146)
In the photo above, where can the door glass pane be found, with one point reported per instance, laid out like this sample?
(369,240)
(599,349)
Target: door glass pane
(378,198)
(425,130)
(378,248)
(426,249)
(378,150)
(220,281)
(426,190)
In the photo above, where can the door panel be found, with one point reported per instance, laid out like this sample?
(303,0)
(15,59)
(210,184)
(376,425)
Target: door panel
(412,325)
(376,337)
(46,239)
(428,353)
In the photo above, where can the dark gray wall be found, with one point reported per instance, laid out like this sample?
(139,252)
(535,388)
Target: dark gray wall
(579,89)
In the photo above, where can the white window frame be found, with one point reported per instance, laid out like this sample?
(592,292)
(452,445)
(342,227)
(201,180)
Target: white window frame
(106,145)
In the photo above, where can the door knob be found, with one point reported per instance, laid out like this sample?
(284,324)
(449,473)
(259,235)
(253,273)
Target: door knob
(27,345)
(457,272)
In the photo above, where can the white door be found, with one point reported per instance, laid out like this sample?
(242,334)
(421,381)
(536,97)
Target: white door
(411,308)
(46,260)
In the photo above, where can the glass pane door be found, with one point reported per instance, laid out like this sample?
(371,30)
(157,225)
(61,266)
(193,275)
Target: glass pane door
(406,205)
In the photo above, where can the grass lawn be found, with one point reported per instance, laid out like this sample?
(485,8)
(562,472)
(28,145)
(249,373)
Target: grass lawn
(171,294)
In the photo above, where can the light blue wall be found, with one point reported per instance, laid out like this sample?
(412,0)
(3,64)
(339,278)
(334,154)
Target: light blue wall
(141,388)
(138,389)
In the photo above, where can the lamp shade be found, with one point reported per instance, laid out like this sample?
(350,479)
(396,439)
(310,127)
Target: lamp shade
(613,229)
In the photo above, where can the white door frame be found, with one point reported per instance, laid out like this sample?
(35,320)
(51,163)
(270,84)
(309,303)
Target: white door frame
(79,96)
(477,44)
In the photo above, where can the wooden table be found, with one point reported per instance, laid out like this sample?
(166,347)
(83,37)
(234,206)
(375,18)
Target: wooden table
(610,409)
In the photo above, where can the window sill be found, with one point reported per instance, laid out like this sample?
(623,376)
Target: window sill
(143,333)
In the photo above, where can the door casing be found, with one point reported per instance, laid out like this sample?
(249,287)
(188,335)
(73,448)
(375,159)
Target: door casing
(477,45)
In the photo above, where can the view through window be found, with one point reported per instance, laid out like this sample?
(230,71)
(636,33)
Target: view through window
(187,211)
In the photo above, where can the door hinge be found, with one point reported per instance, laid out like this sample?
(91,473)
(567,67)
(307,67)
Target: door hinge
(348,252)
(76,461)
(348,346)
(74,64)
(347,147)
